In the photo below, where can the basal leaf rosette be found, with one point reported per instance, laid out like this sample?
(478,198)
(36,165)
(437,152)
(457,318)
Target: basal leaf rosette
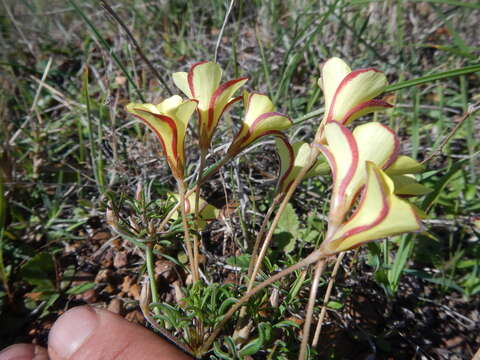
(347,152)
(203,83)
(293,158)
(349,94)
(169,121)
(380,213)
(260,120)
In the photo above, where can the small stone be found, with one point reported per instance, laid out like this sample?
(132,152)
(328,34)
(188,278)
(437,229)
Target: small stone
(101,236)
(103,275)
(115,306)
(135,317)
(120,260)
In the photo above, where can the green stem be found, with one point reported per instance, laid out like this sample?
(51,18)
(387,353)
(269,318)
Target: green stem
(209,173)
(313,257)
(203,156)
(314,152)
(150,261)
(258,240)
(186,232)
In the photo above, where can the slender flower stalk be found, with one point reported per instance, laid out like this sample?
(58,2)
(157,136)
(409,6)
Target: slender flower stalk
(169,121)
(311,304)
(203,83)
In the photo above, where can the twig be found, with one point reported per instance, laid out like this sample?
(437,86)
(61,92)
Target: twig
(326,299)
(112,12)
(471,110)
(311,304)
(217,45)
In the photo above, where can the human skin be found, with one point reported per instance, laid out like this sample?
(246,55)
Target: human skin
(88,333)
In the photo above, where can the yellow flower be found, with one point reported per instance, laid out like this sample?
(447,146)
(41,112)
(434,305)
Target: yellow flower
(202,83)
(350,94)
(169,121)
(380,213)
(357,159)
(293,157)
(260,120)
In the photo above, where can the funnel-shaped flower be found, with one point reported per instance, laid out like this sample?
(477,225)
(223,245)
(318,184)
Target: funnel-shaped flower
(260,120)
(169,121)
(202,83)
(347,154)
(350,94)
(380,213)
(293,157)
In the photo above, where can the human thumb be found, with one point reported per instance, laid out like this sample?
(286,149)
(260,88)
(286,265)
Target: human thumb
(86,333)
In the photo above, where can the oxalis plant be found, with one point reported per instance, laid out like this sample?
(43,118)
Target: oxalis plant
(371,180)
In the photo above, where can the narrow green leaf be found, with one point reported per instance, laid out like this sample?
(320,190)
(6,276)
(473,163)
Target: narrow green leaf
(433,77)
(471,5)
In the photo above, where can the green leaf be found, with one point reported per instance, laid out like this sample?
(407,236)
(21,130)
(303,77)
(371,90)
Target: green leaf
(39,271)
(79,289)
(251,348)
(335,305)
(470,5)
(431,198)
(287,231)
(433,77)
(242,261)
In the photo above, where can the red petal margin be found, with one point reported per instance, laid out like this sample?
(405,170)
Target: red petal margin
(190,76)
(290,166)
(343,83)
(216,94)
(374,104)
(353,167)
(172,126)
(381,216)
(396,148)
(262,117)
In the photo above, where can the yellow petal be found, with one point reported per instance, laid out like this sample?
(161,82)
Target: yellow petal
(182,116)
(342,156)
(380,213)
(203,84)
(180,79)
(221,99)
(207,212)
(333,72)
(364,109)
(203,79)
(356,88)
(169,121)
(293,158)
(258,123)
(404,165)
(169,105)
(256,104)
(347,152)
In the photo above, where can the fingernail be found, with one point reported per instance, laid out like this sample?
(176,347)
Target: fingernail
(17,352)
(71,331)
